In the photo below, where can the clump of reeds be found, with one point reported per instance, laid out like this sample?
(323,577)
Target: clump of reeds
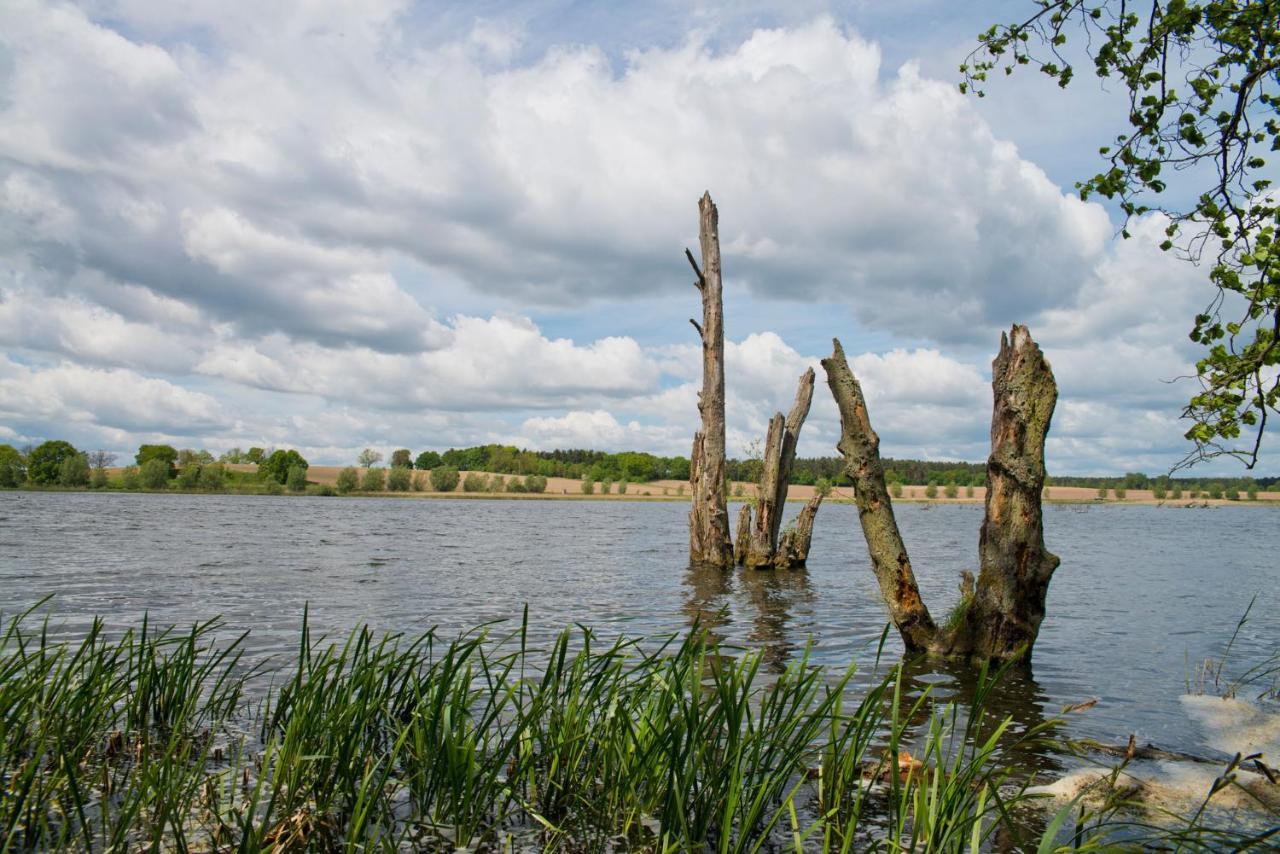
(150,740)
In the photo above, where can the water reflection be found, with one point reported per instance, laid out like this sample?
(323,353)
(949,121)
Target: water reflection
(767,601)
(1013,693)
(774,596)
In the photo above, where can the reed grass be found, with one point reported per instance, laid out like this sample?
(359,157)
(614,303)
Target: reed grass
(159,740)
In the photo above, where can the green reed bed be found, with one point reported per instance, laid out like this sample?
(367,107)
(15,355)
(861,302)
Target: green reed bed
(151,740)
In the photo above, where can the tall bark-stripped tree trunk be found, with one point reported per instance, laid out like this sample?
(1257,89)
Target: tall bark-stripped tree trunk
(793,545)
(861,449)
(1015,568)
(709,542)
(775,476)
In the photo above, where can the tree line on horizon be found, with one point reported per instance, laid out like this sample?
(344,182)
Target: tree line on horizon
(58,463)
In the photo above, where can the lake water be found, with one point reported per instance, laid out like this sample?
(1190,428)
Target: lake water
(1143,593)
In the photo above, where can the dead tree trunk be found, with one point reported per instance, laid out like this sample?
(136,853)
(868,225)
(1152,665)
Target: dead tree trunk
(1002,616)
(861,449)
(775,477)
(793,545)
(709,542)
(743,539)
(1015,568)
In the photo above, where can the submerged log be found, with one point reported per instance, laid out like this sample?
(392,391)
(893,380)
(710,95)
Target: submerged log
(861,449)
(709,542)
(1014,566)
(775,477)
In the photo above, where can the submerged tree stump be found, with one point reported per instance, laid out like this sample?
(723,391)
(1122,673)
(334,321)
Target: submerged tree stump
(793,545)
(1014,566)
(775,477)
(709,542)
(1004,612)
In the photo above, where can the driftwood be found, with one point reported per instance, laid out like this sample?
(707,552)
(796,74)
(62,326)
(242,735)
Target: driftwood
(1002,618)
(775,476)
(709,542)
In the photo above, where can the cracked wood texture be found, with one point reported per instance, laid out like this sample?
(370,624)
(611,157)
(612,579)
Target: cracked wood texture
(1014,566)
(775,477)
(860,447)
(709,542)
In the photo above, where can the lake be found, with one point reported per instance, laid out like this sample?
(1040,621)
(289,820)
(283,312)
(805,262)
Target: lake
(1142,596)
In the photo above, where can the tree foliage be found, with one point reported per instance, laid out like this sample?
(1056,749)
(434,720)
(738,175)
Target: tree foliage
(1202,80)
(402,458)
(276,466)
(427,460)
(154,474)
(13,467)
(368,458)
(44,463)
(74,471)
(165,453)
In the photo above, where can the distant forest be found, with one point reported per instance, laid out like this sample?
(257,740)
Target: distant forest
(637,466)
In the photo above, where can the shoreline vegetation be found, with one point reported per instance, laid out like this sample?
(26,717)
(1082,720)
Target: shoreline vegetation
(166,739)
(498,471)
(243,479)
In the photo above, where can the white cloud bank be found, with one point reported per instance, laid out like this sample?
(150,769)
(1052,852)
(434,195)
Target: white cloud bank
(242,216)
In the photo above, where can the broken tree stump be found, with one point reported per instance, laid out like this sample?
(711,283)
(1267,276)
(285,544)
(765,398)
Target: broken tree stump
(1014,567)
(793,545)
(775,477)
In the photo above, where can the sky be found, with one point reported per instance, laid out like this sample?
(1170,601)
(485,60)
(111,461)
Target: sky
(330,226)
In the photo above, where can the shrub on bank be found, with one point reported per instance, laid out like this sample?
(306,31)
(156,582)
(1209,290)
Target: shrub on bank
(474,482)
(296,479)
(931,491)
(213,476)
(155,474)
(535,483)
(348,480)
(74,471)
(588,487)
(399,478)
(444,479)
(130,478)
(375,480)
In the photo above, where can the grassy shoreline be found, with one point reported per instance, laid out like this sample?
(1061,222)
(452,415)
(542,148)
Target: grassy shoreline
(156,739)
